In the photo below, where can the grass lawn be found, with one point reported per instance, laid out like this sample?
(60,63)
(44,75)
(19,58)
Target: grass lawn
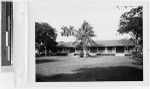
(100,68)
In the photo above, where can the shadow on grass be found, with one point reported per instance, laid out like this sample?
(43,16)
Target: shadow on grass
(137,63)
(39,61)
(120,73)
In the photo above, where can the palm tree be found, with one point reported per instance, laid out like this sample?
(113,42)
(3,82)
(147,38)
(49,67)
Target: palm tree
(83,36)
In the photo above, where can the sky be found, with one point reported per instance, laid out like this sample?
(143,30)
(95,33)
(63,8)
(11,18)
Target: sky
(103,17)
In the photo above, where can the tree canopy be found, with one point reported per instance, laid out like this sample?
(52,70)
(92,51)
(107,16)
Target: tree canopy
(83,35)
(45,36)
(132,23)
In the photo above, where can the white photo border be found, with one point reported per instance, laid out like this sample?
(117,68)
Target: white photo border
(31,54)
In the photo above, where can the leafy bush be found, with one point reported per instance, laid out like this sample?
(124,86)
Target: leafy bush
(81,54)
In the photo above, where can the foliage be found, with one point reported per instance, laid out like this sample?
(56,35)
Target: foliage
(45,36)
(132,23)
(83,35)
(127,43)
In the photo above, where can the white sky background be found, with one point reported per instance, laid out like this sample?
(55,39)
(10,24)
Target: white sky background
(103,17)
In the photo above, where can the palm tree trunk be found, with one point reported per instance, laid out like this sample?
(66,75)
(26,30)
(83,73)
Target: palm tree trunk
(38,52)
(84,51)
(45,52)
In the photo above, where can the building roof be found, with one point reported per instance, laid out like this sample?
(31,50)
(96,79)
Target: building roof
(65,44)
(115,43)
(102,43)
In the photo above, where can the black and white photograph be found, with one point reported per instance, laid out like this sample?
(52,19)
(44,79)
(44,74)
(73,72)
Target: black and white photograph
(88,42)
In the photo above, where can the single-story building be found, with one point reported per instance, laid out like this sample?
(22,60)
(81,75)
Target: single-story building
(107,47)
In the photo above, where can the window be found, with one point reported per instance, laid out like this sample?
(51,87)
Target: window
(110,48)
(101,48)
(120,49)
(93,49)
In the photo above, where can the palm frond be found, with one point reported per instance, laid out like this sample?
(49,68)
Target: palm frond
(83,35)
(68,31)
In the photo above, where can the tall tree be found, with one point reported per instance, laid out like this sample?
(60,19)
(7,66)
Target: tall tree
(45,37)
(83,36)
(132,23)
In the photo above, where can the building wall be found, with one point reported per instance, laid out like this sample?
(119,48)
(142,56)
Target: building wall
(117,51)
